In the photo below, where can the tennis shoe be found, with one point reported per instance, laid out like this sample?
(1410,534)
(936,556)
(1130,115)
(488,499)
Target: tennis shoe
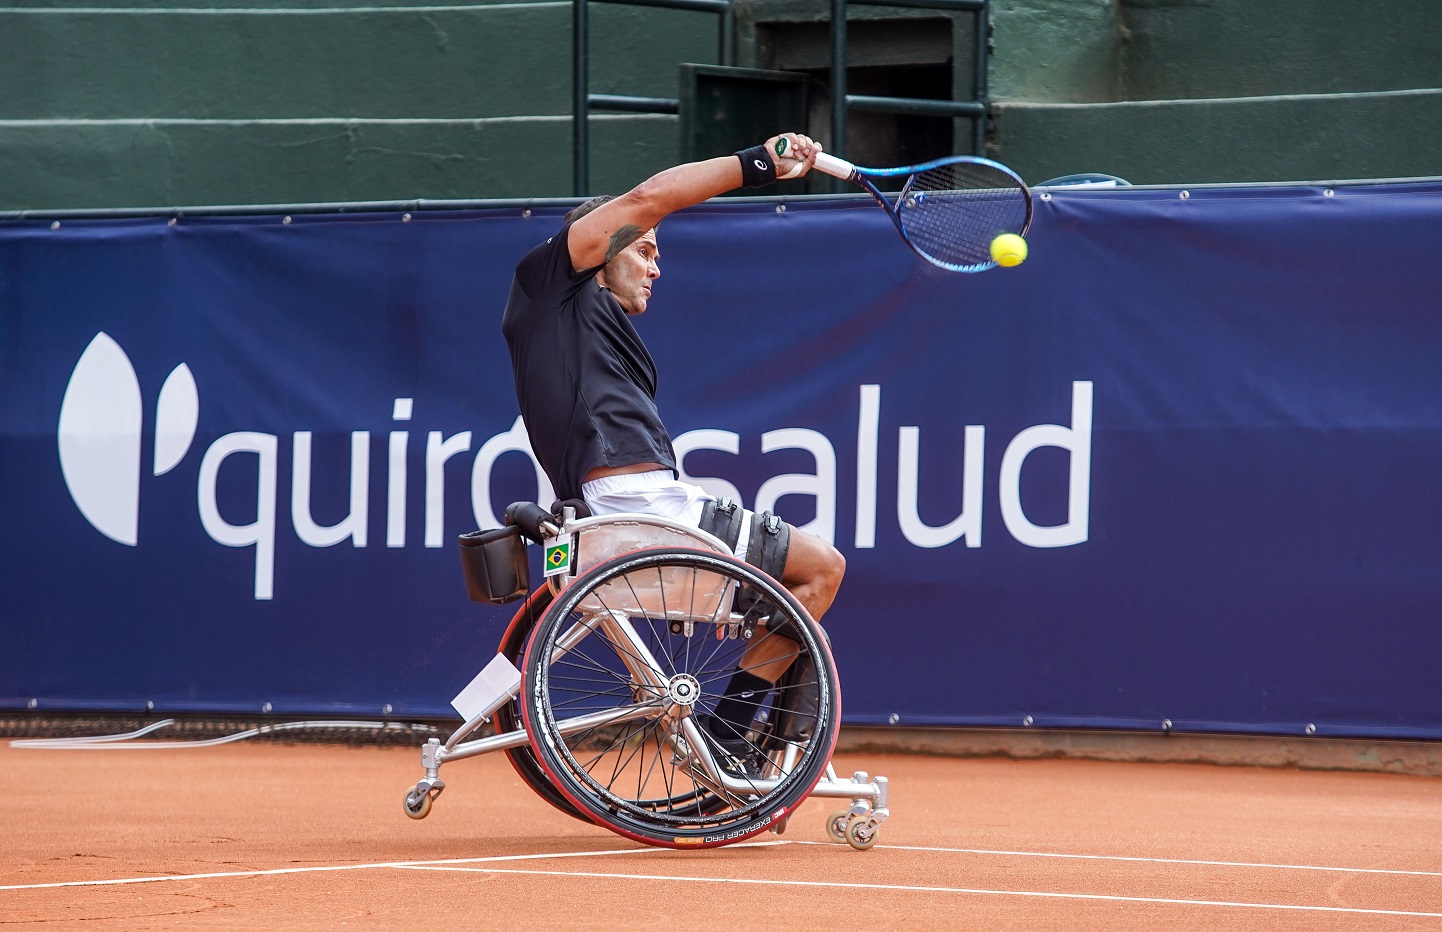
(738,758)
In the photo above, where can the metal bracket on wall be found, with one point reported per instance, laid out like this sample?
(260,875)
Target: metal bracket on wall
(841,101)
(583,101)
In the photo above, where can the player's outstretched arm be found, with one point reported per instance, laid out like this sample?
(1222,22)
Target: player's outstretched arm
(598,236)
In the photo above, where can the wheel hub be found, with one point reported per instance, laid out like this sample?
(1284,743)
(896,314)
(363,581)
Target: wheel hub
(683,689)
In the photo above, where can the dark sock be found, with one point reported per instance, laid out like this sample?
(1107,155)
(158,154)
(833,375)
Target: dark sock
(738,706)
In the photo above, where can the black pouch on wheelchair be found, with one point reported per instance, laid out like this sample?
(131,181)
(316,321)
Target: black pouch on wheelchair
(494,564)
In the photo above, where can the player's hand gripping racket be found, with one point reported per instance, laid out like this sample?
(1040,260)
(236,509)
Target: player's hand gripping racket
(950,210)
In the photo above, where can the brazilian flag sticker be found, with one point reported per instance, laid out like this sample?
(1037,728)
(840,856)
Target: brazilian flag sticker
(558,556)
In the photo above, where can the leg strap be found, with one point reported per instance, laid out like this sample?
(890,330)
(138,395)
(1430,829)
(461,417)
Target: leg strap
(770,541)
(766,550)
(722,518)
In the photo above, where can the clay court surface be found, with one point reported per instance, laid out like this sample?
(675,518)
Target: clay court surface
(313,837)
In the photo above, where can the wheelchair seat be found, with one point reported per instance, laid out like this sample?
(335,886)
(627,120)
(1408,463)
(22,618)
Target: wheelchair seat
(599,539)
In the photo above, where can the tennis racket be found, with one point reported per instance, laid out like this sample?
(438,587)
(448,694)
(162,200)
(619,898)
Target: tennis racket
(949,210)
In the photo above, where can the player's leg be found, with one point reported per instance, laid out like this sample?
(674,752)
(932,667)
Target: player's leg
(812,571)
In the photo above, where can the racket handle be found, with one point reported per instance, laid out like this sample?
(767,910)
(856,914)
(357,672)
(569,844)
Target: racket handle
(833,166)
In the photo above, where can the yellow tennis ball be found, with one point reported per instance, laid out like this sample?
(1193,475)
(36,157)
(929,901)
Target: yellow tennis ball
(1008,249)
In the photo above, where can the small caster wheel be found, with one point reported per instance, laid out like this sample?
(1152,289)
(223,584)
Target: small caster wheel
(860,833)
(836,825)
(418,803)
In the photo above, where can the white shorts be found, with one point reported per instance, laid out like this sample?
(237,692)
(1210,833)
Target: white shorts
(655,493)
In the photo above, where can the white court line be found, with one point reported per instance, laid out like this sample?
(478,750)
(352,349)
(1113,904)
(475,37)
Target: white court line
(439,865)
(1117,857)
(911,889)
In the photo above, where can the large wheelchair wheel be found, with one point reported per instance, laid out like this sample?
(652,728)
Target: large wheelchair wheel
(621,679)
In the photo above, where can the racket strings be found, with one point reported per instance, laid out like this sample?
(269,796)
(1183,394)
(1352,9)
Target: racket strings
(951,213)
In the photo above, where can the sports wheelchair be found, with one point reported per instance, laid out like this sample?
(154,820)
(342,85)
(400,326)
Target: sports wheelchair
(604,679)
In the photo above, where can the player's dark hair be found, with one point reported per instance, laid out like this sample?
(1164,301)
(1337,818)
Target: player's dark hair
(576,213)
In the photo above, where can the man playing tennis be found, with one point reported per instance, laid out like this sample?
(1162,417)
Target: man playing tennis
(587,392)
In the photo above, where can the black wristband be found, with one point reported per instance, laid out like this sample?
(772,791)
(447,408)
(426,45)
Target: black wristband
(757,166)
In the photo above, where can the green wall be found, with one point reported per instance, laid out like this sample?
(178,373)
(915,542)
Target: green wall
(158,163)
(1191,91)
(1187,48)
(1057,51)
(160,106)
(274,101)
(1380,135)
(1089,51)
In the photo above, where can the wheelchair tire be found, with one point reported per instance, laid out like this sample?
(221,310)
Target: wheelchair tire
(636,774)
(508,717)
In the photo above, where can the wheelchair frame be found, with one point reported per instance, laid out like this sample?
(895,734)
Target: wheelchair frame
(856,825)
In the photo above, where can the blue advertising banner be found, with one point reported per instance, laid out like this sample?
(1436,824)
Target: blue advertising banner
(1179,466)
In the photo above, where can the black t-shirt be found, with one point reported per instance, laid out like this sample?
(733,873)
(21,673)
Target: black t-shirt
(585,382)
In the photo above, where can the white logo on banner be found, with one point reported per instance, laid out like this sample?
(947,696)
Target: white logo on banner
(99,435)
(102,415)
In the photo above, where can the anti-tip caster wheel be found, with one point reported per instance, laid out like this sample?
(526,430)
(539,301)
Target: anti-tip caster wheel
(860,833)
(417,802)
(836,825)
